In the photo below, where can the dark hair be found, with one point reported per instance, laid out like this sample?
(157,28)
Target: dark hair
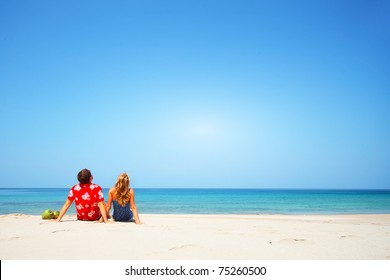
(84,176)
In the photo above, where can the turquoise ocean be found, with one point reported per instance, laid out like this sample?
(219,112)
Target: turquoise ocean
(213,201)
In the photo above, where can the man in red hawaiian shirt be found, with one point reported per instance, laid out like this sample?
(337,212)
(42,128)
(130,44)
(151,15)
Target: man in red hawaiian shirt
(88,198)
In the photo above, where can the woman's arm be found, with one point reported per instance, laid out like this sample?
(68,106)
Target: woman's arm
(133,207)
(110,199)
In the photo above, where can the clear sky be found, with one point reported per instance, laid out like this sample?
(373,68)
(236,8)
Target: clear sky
(185,93)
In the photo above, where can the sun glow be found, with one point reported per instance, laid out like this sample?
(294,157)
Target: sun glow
(203,130)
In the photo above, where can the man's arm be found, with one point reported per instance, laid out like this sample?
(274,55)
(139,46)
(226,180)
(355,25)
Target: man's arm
(103,211)
(64,208)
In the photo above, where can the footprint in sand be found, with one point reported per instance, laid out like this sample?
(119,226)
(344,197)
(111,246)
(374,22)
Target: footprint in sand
(10,238)
(181,247)
(292,240)
(346,236)
(60,230)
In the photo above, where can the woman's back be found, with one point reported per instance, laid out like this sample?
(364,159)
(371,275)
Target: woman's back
(122,197)
(122,213)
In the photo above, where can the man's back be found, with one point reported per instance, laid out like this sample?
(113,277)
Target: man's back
(86,197)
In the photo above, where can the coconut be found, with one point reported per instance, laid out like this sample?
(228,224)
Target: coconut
(56,214)
(47,214)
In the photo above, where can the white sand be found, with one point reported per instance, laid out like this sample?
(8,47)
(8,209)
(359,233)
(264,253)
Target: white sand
(203,237)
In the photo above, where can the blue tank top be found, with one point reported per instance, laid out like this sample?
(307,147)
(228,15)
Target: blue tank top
(122,213)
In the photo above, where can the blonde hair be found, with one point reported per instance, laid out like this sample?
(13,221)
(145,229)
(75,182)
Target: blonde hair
(122,189)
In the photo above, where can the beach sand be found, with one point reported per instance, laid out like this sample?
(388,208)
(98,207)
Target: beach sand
(201,237)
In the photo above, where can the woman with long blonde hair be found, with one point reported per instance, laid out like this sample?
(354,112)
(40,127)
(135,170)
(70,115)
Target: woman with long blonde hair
(121,196)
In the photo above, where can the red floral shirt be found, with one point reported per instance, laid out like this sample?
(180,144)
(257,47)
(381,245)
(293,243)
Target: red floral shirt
(86,197)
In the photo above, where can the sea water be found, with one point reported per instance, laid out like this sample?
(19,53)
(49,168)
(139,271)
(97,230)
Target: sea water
(213,201)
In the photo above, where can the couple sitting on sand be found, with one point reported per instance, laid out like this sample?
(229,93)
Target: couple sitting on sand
(90,204)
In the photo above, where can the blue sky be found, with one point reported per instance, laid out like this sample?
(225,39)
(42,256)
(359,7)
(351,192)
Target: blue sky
(267,94)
